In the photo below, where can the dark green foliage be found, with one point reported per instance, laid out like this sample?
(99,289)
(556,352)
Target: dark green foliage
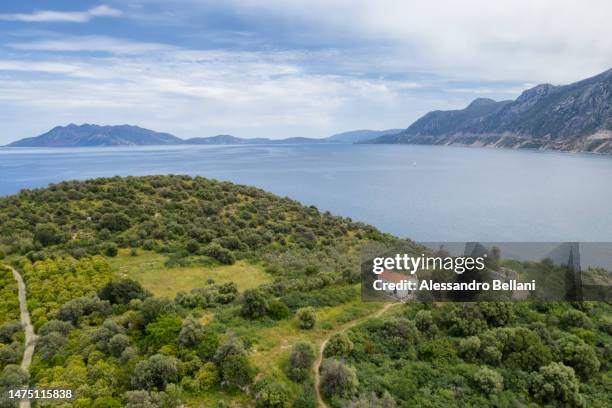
(8,330)
(48,234)
(337,379)
(339,345)
(219,253)
(277,310)
(301,358)
(152,308)
(114,222)
(307,317)
(123,291)
(11,378)
(272,394)
(74,309)
(118,344)
(255,304)
(111,249)
(55,326)
(233,364)
(155,372)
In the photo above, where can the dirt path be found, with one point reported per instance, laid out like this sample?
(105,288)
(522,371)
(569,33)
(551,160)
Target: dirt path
(26,323)
(319,360)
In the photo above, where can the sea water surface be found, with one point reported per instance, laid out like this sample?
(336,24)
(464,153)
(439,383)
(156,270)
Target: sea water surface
(426,193)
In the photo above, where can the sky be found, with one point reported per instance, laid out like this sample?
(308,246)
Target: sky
(282,68)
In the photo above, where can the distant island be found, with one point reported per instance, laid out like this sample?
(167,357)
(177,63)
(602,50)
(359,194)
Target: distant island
(575,117)
(90,135)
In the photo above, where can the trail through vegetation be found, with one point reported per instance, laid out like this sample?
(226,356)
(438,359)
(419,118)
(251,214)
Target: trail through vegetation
(317,363)
(30,336)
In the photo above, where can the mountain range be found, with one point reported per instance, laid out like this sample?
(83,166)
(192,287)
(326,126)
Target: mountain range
(575,117)
(88,135)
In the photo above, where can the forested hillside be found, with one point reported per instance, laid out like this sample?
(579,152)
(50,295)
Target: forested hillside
(164,291)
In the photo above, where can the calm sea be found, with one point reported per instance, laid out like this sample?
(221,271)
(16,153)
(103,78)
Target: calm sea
(426,193)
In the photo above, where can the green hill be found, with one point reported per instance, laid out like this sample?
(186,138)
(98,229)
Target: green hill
(164,291)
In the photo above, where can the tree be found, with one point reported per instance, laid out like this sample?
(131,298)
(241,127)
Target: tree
(423,320)
(72,310)
(111,249)
(469,348)
(155,372)
(278,310)
(339,345)
(254,304)
(233,364)
(7,330)
(301,358)
(115,222)
(118,344)
(337,379)
(556,382)
(307,317)
(163,331)
(55,326)
(219,253)
(48,234)
(191,332)
(122,291)
(578,355)
(489,381)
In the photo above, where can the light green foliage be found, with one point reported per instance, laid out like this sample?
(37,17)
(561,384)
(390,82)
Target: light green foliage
(339,345)
(307,317)
(556,383)
(489,381)
(9,302)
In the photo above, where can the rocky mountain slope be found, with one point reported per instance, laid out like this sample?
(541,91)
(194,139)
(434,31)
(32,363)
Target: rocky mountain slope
(575,117)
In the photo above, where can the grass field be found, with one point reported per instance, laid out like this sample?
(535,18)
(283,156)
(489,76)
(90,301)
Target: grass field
(148,269)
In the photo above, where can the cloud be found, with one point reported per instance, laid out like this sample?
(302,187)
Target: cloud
(520,40)
(90,43)
(48,16)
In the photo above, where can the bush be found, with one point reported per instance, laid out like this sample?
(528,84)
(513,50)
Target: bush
(423,320)
(337,379)
(123,291)
(219,253)
(191,332)
(301,358)
(339,345)
(272,394)
(117,344)
(155,372)
(556,383)
(7,330)
(72,310)
(489,381)
(307,317)
(207,377)
(254,304)
(111,249)
(233,364)
(469,348)
(277,310)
